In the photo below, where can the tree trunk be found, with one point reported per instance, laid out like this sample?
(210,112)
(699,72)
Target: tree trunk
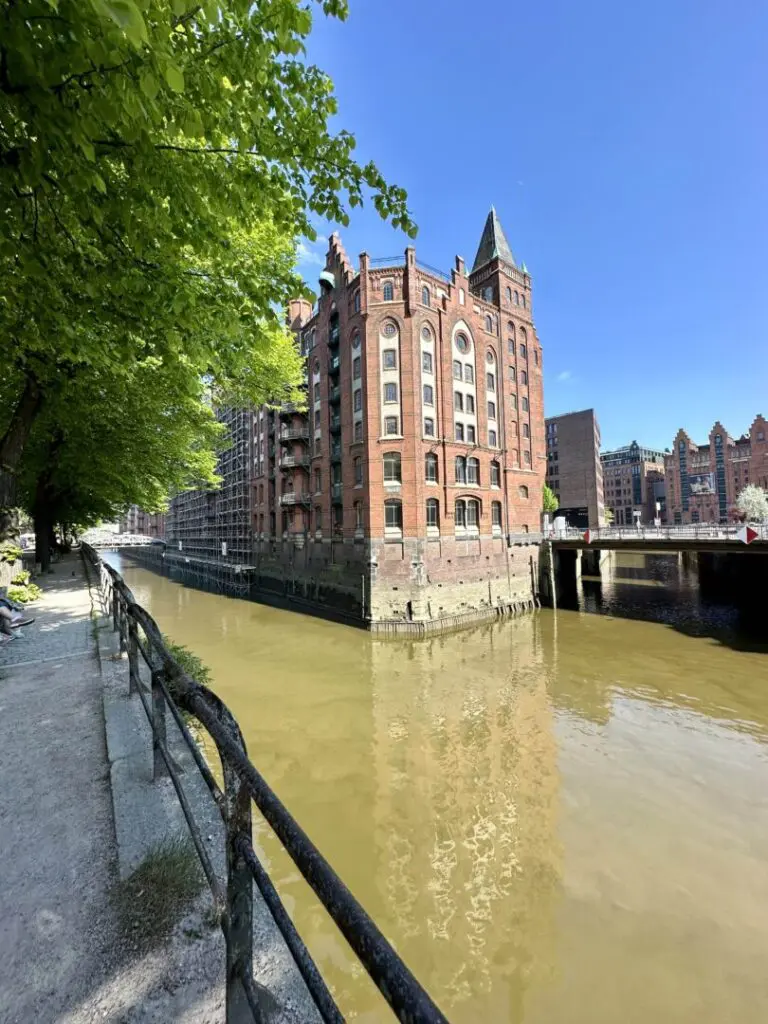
(15,437)
(42,542)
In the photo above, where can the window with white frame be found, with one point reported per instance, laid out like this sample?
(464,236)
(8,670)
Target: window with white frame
(431,468)
(392,468)
(388,291)
(473,471)
(356,368)
(429,427)
(429,395)
(390,392)
(492,439)
(471,434)
(390,424)
(459,431)
(495,474)
(460,470)
(393,515)
(358,471)
(389,358)
(433,513)
(426,362)
(425,296)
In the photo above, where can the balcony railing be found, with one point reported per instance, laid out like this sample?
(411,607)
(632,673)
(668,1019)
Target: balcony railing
(296,498)
(334,364)
(335,394)
(291,461)
(335,424)
(336,490)
(294,434)
(333,336)
(335,453)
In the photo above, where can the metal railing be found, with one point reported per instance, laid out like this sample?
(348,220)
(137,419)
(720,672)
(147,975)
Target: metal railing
(291,461)
(294,434)
(173,692)
(693,531)
(296,498)
(433,270)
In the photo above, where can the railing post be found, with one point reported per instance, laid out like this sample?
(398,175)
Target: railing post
(133,659)
(239,923)
(160,769)
(114,607)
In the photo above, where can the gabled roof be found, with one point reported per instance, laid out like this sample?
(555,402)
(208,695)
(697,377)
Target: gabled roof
(493,244)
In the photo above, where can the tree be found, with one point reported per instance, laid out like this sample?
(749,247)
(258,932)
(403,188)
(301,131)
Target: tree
(158,160)
(608,516)
(752,504)
(549,501)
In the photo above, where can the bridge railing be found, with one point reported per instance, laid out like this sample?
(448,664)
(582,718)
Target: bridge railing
(694,531)
(172,692)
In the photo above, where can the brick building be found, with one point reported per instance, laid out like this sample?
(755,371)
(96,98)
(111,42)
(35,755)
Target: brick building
(633,483)
(411,488)
(703,481)
(148,524)
(574,471)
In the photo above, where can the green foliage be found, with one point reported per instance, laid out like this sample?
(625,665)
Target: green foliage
(21,579)
(26,594)
(188,661)
(10,553)
(549,502)
(158,161)
(608,516)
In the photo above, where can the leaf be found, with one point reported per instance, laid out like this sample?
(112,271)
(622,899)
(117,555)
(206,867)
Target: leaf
(149,84)
(174,78)
(99,182)
(126,14)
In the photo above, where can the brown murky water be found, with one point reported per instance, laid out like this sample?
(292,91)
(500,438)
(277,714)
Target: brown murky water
(556,820)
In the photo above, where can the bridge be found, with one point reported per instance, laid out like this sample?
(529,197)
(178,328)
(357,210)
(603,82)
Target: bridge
(699,537)
(106,539)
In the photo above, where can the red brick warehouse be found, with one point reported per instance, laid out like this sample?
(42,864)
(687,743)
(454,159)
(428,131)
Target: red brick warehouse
(421,460)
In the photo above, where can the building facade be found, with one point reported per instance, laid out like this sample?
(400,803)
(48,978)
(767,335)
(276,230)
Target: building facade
(633,484)
(703,481)
(410,489)
(574,471)
(148,524)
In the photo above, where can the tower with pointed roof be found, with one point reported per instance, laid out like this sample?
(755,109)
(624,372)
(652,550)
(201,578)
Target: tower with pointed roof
(496,276)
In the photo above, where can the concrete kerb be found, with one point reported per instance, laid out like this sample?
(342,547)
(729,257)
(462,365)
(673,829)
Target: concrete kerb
(147,813)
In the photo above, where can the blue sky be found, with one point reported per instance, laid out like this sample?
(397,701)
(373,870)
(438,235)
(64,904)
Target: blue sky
(625,147)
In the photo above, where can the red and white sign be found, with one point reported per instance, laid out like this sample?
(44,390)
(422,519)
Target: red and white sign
(746,535)
(587,536)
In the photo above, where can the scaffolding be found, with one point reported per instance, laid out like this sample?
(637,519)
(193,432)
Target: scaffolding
(210,537)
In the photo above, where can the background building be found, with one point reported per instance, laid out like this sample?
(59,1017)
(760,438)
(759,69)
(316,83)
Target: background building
(704,481)
(633,482)
(148,524)
(574,471)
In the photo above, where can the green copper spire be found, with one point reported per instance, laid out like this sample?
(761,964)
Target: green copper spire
(493,244)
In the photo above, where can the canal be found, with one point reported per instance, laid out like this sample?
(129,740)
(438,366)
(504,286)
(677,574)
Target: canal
(557,819)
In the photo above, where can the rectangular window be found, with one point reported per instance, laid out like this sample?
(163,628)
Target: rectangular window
(390,424)
(429,427)
(472,507)
(359,430)
(473,471)
(356,368)
(429,396)
(318,518)
(461,514)
(470,434)
(495,475)
(358,399)
(511,347)
(457,371)
(513,428)
(458,401)
(523,351)
(317,393)
(536,357)
(491,410)
(433,513)
(512,374)
(492,438)
(496,513)
(469,373)
(470,404)
(358,515)
(358,471)
(318,481)
(390,392)
(459,431)
(490,382)
(513,402)
(426,362)
(526,430)
(390,359)
(525,404)
(317,418)
(523,377)
(527,458)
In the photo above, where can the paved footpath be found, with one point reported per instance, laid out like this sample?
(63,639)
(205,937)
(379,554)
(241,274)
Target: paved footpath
(62,958)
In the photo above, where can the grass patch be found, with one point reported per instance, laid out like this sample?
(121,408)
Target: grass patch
(150,902)
(197,670)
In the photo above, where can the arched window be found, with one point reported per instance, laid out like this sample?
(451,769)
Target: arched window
(356,302)
(431,468)
(460,514)
(473,514)
(523,351)
(433,513)
(522,301)
(473,471)
(425,296)
(522,491)
(495,474)
(489,324)
(525,404)
(517,299)
(392,471)
(461,469)
(523,336)
(393,517)
(388,291)
(509,294)
(488,294)
(496,516)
